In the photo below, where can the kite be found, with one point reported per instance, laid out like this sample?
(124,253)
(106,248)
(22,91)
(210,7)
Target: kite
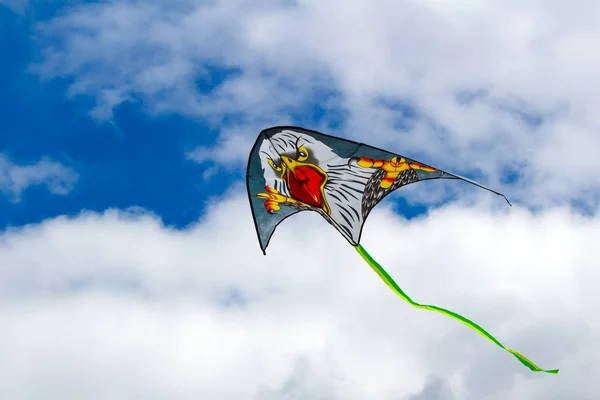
(292,169)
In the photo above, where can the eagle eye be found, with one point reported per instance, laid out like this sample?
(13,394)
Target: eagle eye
(302,153)
(273,165)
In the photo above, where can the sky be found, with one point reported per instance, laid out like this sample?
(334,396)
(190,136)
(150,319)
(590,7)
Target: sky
(129,263)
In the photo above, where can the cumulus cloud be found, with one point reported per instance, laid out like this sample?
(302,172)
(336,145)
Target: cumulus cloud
(495,90)
(118,305)
(15,178)
(171,54)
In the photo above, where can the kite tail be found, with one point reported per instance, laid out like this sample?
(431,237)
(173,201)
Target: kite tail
(392,285)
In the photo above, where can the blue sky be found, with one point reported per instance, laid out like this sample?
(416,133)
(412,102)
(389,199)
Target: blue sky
(171,142)
(132,160)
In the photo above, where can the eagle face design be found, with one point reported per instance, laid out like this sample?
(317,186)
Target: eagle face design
(304,173)
(304,179)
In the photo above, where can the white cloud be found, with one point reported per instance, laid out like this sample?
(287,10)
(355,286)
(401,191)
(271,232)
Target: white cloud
(164,52)
(115,305)
(14,178)
(495,86)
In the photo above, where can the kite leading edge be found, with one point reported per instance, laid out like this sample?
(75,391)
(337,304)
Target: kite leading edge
(292,169)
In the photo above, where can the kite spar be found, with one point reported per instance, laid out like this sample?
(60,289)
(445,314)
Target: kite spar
(292,169)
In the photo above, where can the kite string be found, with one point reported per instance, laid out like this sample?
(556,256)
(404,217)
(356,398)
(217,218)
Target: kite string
(396,289)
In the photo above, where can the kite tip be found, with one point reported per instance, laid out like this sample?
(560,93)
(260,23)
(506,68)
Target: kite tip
(505,198)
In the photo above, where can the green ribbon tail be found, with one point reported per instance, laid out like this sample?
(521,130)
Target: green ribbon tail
(392,285)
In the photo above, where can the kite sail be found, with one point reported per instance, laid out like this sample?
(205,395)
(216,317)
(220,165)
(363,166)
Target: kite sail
(291,169)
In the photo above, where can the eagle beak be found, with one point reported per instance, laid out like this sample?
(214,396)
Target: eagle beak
(290,163)
(306,182)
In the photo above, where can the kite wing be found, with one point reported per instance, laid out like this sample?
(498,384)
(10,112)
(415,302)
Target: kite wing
(292,169)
